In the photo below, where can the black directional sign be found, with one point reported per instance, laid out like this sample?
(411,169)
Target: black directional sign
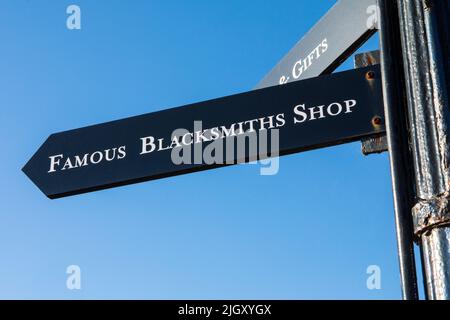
(264,123)
(346,26)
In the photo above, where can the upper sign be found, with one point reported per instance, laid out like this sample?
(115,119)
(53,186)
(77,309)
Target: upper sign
(299,116)
(333,39)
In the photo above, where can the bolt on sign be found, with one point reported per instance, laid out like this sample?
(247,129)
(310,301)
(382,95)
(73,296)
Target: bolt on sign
(279,120)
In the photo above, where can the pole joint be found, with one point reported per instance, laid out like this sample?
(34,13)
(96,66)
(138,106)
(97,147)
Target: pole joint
(431,213)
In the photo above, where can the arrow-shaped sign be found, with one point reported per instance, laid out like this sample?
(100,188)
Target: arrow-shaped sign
(345,27)
(280,120)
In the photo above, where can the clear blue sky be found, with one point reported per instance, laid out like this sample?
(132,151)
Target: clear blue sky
(308,232)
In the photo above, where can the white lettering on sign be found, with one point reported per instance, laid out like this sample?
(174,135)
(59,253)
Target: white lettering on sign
(305,63)
(183,138)
(320,112)
(61,162)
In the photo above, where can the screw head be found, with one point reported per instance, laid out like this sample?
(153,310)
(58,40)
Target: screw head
(377,121)
(370,75)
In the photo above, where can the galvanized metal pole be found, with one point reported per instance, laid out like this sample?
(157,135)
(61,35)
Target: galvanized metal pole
(424,27)
(397,136)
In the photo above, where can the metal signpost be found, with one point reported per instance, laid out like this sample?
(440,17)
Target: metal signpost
(409,92)
(397,134)
(425,39)
(416,80)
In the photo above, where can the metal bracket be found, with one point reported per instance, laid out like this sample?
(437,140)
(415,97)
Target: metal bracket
(379,143)
(374,145)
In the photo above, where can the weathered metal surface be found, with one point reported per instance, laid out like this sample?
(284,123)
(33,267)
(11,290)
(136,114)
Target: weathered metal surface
(436,263)
(427,97)
(431,213)
(378,144)
(366,59)
(373,145)
(425,42)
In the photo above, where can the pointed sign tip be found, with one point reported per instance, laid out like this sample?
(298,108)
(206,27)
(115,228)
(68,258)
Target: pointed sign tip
(28,170)
(25,170)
